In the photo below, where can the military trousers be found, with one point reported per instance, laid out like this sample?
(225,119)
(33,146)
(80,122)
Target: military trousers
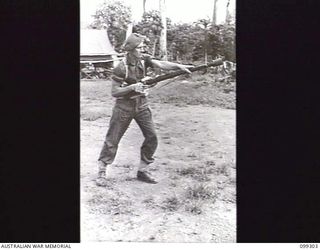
(124,111)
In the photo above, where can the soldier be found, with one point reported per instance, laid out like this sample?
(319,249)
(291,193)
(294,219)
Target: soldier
(131,103)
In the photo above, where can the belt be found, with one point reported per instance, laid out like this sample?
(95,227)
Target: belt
(130,98)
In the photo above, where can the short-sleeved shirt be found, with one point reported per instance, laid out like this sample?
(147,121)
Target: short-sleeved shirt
(131,70)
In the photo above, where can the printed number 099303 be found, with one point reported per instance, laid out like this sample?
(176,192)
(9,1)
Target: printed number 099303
(308,245)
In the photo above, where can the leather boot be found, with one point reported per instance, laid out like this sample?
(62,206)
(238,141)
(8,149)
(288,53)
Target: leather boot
(145,177)
(101,180)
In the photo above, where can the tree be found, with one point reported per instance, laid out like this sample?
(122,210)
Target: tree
(205,23)
(163,34)
(150,26)
(144,6)
(185,42)
(114,16)
(214,15)
(227,33)
(228,13)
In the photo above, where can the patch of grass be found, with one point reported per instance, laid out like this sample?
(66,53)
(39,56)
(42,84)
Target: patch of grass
(96,200)
(127,166)
(150,203)
(148,200)
(202,192)
(232,180)
(194,206)
(223,168)
(187,171)
(197,173)
(210,163)
(92,113)
(92,116)
(171,203)
(130,178)
(199,89)
(203,175)
(229,195)
(173,184)
(201,78)
(197,195)
(174,177)
(192,155)
(95,89)
(105,205)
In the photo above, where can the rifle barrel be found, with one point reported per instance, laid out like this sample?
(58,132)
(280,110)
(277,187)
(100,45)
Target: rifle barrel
(160,78)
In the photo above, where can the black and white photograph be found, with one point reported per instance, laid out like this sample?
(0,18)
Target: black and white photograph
(157,121)
(141,123)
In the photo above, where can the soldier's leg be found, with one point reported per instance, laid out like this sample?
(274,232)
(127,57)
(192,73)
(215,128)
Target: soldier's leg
(118,125)
(150,143)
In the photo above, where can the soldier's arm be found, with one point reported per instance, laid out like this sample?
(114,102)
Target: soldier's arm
(117,90)
(170,65)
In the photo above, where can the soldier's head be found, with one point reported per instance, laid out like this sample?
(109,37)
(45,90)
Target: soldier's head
(134,41)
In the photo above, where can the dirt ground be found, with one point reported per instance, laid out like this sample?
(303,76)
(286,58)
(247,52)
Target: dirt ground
(195,199)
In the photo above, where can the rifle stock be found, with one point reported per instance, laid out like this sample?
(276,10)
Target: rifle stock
(160,78)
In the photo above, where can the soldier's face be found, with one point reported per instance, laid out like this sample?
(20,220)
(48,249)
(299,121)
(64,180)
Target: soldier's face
(141,48)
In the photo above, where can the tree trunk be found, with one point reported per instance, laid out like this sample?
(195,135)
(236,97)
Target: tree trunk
(144,6)
(214,15)
(205,46)
(129,30)
(154,47)
(228,13)
(163,34)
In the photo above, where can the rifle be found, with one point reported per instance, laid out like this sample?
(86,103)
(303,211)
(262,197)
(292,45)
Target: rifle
(153,81)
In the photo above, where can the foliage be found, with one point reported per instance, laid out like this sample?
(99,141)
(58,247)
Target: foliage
(223,36)
(182,39)
(189,42)
(186,42)
(114,16)
(150,26)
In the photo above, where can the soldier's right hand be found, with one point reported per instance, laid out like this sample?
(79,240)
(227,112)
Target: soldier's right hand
(138,87)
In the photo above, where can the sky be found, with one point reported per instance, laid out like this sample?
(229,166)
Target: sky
(177,10)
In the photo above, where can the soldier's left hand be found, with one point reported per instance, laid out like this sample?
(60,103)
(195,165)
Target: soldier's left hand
(145,92)
(185,69)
